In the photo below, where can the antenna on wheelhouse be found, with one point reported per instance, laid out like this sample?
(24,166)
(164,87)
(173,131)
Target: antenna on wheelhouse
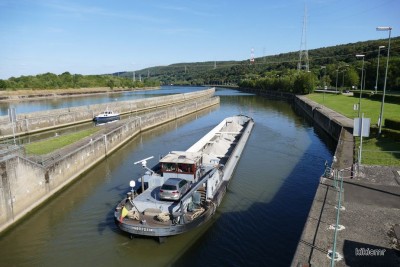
(144,164)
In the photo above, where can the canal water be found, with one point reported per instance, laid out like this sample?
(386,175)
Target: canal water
(259,222)
(27,106)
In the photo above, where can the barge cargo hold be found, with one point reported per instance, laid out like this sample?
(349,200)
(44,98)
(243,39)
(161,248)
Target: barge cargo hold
(207,166)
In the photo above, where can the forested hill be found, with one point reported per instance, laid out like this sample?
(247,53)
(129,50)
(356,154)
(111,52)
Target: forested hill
(333,58)
(331,66)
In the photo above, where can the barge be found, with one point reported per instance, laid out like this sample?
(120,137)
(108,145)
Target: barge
(207,166)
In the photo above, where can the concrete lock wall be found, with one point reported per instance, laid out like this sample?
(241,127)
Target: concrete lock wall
(44,120)
(22,183)
(25,185)
(268,94)
(325,118)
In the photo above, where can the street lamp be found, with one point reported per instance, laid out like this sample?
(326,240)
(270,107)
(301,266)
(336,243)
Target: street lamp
(323,95)
(337,74)
(365,77)
(377,68)
(347,65)
(386,72)
(324,67)
(362,78)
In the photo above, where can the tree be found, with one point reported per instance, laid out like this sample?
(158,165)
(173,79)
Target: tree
(393,82)
(111,84)
(304,83)
(352,78)
(3,85)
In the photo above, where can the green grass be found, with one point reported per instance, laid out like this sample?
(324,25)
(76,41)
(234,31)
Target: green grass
(344,105)
(379,151)
(376,151)
(52,144)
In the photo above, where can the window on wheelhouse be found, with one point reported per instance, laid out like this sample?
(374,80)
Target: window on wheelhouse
(179,167)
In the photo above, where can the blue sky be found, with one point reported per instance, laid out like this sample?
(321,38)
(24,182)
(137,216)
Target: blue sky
(104,36)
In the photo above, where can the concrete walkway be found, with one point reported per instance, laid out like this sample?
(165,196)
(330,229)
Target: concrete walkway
(371,218)
(371,212)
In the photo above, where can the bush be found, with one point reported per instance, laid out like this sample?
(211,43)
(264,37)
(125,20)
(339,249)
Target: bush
(304,83)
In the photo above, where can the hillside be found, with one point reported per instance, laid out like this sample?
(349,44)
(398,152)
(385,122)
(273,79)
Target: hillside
(333,57)
(342,70)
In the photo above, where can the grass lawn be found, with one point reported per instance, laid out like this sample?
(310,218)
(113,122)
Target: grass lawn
(376,151)
(54,143)
(344,105)
(380,151)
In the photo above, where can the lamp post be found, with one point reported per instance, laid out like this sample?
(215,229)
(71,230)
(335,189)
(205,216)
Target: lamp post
(337,74)
(323,96)
(324,67)
(377,68)
(347,65)
(365,77)
(362,79)
(386,72)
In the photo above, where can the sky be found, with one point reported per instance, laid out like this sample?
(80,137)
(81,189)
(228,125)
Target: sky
(108,36)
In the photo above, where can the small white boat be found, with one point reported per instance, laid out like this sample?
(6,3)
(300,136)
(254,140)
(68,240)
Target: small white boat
(106,116)
(207,166)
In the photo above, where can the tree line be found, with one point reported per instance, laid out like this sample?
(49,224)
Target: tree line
(333,67)
(68,80)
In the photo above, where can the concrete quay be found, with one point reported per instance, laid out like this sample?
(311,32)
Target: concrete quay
(371,201)
(51,119)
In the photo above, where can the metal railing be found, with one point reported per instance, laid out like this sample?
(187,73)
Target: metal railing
(338,184)
(9,149)
(337,176)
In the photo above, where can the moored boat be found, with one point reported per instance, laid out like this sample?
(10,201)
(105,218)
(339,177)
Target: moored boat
(106,116)
(207,166)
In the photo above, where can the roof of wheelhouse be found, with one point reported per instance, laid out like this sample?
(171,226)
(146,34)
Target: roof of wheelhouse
(181,157)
